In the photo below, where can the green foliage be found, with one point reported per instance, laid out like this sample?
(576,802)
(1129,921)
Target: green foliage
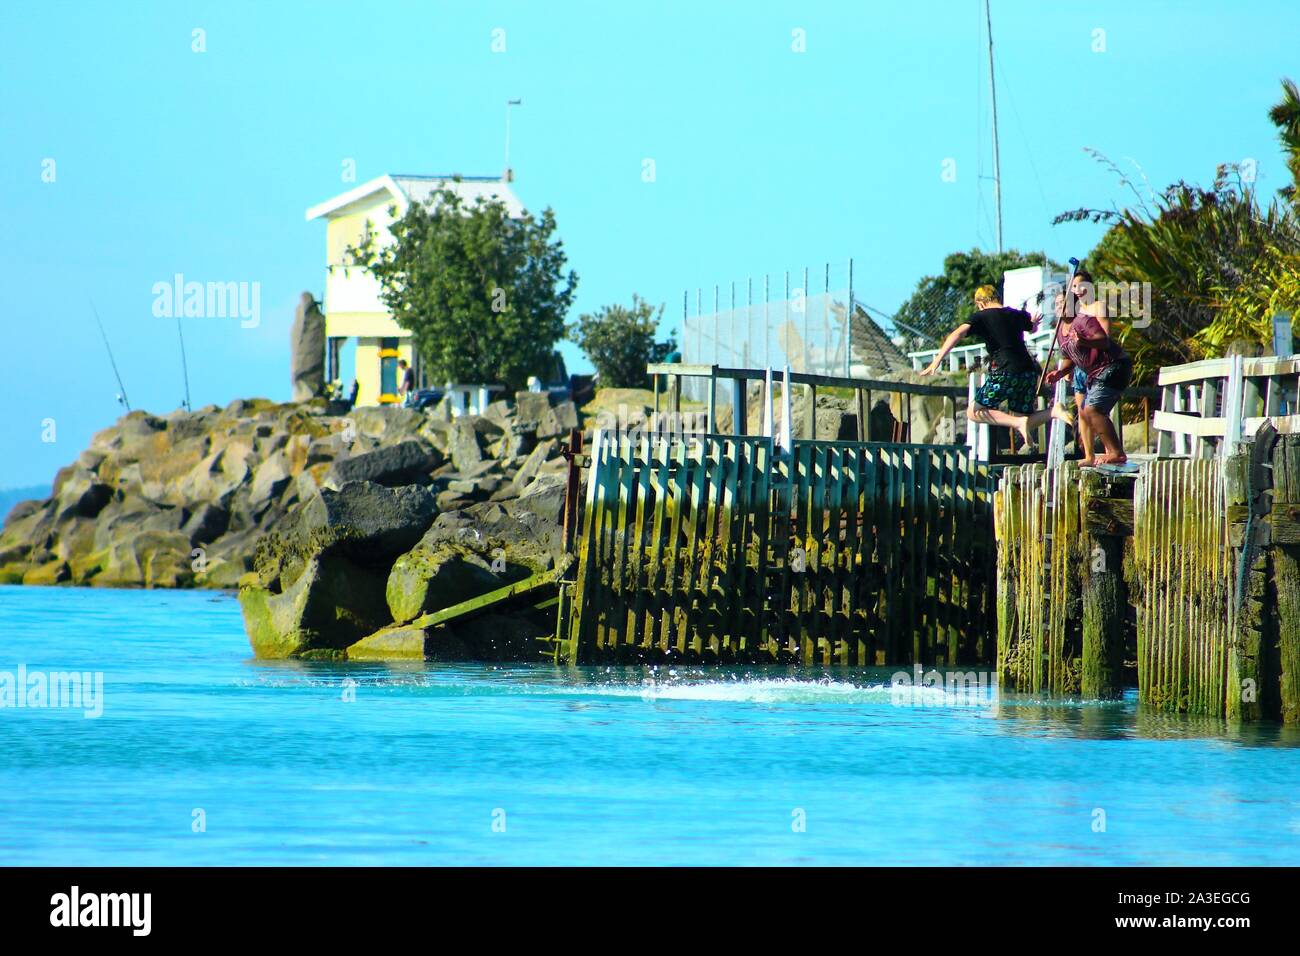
(1219,264)
(1219,267)
(483,295)
(621,341)
(1285,115)
(943,302)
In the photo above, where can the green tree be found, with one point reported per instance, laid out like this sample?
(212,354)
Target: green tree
(1285,115)
(483,295)
(1219,265)
(943,302)
(621,341)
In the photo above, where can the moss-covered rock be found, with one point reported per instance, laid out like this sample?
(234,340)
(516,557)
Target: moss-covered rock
(397,643)
(366,522)
(331,605)
(52,572)
(12,573)
(424,580)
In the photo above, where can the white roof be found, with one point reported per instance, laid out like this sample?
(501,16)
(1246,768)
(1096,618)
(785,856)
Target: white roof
(405,190)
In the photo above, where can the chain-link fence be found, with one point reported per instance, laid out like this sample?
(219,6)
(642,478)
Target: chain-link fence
(807,319)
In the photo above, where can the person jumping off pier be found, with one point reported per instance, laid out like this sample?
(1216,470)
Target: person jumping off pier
(1013,373)
(1089,352)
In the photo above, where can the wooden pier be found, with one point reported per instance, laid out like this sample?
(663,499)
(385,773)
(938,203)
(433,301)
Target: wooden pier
(1182,579)
(779,549)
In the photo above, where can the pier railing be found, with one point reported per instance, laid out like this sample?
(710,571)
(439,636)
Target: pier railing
(1208,408)
(725,549)
(731,386)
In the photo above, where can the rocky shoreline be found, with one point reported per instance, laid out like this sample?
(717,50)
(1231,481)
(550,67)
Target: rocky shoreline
(344,534)
(335,528)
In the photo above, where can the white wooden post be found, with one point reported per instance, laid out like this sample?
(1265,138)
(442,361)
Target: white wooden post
(1056,429)
(767,403)
(783,440)
(977,433)
(1232,411)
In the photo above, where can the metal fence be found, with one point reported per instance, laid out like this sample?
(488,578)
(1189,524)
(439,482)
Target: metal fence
(799,319)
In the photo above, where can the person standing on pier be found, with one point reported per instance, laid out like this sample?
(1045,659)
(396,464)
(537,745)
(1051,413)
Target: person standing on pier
(1013,373)
(1086,345)
(1095,307)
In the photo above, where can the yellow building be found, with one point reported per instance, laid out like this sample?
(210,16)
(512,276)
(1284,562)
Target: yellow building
(353,309)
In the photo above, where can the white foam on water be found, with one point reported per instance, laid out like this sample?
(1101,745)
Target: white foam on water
(671,687)
(790,690)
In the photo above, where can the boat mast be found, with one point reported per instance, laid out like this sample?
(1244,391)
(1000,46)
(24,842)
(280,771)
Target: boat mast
(997,161)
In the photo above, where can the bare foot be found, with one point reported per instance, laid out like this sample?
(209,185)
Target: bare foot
(1061,415)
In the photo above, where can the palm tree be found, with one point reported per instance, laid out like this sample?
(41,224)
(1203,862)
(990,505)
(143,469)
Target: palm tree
(1286,117)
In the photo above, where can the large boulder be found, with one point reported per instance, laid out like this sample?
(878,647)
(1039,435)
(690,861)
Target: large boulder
(28,530)
(216,477)
(433,577)
(80,492)
(531,407)
(307,349)
(467,438)
(558,421)
(386,424)
(533,463)
(269,481)
(334,602)
(406,463)
(207,523)
(368,523)
(501,532)
(52,572)
(544,497)
(152,559)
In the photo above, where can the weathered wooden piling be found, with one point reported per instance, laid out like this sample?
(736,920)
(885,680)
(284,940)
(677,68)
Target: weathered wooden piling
(1063,623)
(1106,510)
(1194,569)
(1284,525)
(1183,569)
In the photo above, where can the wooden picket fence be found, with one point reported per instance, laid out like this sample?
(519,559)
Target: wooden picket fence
(1039,642)
(729,549)
(1187,573)
(1184,569)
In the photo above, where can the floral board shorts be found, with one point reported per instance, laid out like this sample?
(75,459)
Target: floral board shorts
(1017,389)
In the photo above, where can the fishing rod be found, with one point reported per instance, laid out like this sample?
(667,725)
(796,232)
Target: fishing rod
(121,396)
(185,369)
(1056,334)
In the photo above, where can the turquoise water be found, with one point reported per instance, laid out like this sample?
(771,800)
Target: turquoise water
(608,766)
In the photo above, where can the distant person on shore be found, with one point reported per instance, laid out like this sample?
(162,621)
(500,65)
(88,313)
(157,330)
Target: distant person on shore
(406,391)
(1013,373)
(1087,348)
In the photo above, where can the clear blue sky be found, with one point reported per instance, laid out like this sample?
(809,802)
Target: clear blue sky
(172,161)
